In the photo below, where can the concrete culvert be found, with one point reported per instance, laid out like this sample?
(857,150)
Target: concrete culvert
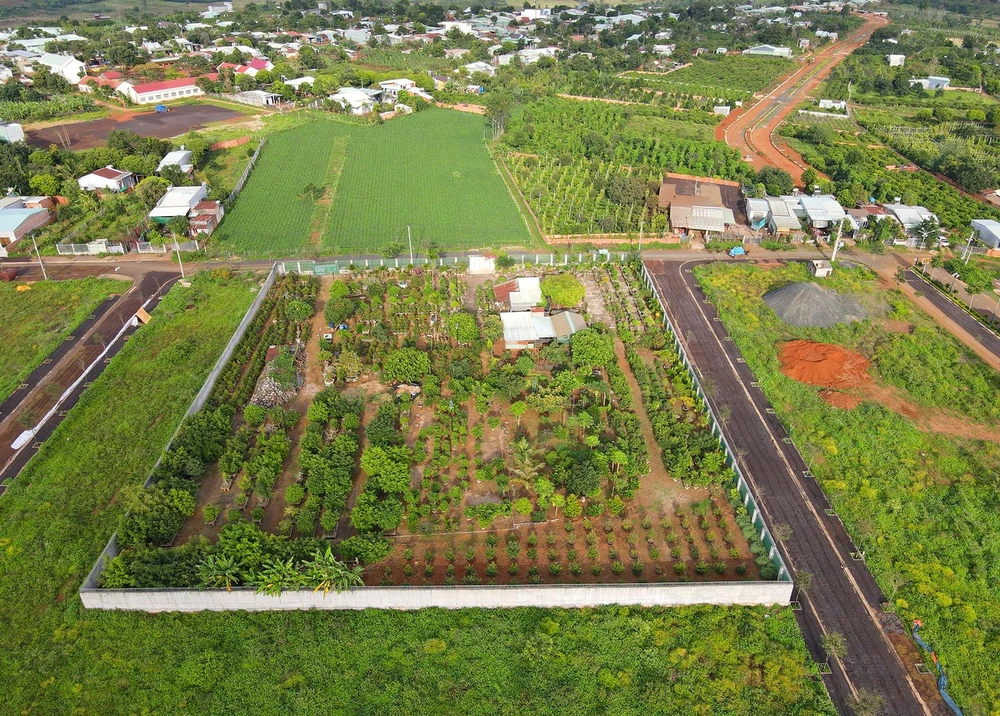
(808,304)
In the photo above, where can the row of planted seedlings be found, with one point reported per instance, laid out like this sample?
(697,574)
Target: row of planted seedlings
(681,427)
(253,456)
(694,543)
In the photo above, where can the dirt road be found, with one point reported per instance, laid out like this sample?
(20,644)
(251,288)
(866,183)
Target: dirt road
(45,388)
(751,132)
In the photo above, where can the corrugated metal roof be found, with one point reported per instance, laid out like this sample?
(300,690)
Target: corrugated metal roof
(11,219)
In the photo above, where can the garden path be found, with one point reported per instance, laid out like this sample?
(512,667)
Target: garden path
(657,487)
(312,384)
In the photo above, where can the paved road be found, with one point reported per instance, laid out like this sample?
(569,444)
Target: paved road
(844,596)
(986,337)
(44,390)
(751,133)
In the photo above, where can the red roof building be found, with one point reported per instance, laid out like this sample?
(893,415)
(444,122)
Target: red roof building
(157,92)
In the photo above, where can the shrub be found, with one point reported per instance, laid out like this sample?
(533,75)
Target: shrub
(254,415)
(617,567)
(294,494)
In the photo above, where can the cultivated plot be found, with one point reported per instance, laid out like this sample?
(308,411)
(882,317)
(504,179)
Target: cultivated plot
(332,187)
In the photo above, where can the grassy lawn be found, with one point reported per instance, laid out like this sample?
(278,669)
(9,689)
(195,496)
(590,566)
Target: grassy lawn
(45,315)
(56,657)
(333,187)
(921,504)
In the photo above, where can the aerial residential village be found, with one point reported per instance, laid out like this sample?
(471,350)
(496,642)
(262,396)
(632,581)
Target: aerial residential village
(671,325)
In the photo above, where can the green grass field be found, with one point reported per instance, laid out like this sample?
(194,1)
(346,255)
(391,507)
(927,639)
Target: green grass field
(331,187)
(44,315)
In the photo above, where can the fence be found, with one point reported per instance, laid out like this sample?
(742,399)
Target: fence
(92,249)
(111,549)
(243,177)
(346,263)
(407,598)
(570,596)
(749,500)
(144,247)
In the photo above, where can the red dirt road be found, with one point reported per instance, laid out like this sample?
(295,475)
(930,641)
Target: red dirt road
(751,132)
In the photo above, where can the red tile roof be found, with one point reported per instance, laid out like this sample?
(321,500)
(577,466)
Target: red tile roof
(164,85)
(258,64)
(111,75)
(109,173)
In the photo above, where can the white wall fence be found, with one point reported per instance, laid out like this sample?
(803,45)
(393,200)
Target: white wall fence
(144,247)
(245,175)
(749,499)
(408,598)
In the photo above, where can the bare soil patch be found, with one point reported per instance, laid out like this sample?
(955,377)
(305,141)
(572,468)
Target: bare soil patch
(847,383)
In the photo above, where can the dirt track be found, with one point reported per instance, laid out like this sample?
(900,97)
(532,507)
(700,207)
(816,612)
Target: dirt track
(44,387)
(86,135)
(751,132)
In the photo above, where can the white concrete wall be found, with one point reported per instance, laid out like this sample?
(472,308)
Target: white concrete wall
(408,598)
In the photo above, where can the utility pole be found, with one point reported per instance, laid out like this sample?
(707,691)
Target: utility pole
(45,276)
(409,240)
(968,247)
(836,242)
(177,248)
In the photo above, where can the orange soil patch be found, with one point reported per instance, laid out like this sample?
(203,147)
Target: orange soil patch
(824,364)
(844,376)
(897,326)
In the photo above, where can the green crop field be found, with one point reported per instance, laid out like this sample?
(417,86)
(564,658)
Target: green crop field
(711,73)
(331,187)
(46,314)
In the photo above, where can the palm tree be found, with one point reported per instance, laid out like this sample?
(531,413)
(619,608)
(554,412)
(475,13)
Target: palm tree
(218,571)
(326,572)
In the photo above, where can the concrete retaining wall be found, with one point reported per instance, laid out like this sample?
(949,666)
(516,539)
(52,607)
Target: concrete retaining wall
(409,598)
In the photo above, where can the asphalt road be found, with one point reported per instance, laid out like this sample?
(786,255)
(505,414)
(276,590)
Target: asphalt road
(844,596)
(43,390)
(989,339)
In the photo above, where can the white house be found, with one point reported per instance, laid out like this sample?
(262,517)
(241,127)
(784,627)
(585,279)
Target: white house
(484,67)
(932,83)
(356,100)
(178,201)
(19,216)
(521,294)
(773,213)
(5,73)
(297,83)
(156,92)
(180,158)
(837,104)
(392,88)
(769,51)
(896,60)
(11,132)
(108,179)
(988,231)
(67,67)
(910,216)
(258,64)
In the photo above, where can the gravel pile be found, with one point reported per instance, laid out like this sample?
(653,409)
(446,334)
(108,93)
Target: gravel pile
(808,304)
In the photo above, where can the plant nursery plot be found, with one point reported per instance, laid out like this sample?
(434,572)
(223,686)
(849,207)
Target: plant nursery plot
(433,453)
(907,450)
(430,171)
(45,313)
(729,72)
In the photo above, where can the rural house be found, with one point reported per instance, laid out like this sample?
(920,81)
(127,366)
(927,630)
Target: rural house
(773,213)
(519,294)
(896,60)
(19,216)
(356,100)
(988,232)
(155,92)
(178,201)
(65,66)
(932,83)
(108,179)
(180,158)
(696,204)
(531,329)
(205,217)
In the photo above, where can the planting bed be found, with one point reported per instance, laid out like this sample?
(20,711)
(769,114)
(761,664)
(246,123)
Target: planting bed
(408,439)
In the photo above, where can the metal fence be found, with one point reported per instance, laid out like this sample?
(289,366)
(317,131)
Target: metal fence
(92,249)
(317,268)
(749,500)
(243,177)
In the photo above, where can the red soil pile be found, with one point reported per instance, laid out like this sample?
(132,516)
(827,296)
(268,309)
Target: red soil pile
(824,364)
